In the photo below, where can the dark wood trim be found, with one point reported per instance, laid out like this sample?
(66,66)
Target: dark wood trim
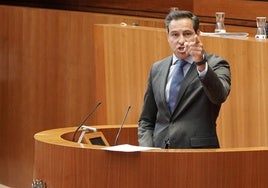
(151,9)
(229,21)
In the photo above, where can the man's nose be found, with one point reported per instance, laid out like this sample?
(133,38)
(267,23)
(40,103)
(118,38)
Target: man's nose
(181,39)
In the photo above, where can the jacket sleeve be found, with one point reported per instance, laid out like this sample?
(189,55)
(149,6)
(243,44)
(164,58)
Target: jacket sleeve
(217,82)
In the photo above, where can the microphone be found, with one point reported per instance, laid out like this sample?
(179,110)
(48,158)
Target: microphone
(84,130)
(88,128)
(84,120)
(123,121)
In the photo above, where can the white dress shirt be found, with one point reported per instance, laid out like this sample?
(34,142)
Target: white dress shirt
(186,68)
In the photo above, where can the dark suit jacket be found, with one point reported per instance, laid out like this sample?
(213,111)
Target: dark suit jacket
(193,122)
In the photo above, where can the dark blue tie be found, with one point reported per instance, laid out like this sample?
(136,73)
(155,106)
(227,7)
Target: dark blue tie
(175,84)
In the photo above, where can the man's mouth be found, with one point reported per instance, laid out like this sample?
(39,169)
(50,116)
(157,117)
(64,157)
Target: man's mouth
(181,49)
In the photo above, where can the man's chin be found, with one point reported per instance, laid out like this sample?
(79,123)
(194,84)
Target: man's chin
(181,55)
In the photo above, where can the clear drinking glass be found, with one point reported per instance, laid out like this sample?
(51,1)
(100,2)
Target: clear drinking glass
(220,28)
(261,28)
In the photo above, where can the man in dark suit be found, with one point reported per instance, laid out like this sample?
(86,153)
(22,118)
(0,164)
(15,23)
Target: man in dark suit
(191,123)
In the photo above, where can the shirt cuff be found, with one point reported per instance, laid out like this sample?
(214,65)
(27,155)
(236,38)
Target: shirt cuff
(204,72)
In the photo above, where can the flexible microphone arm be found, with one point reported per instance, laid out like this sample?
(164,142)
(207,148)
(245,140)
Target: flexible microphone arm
(84,130)
(84,120)
(123,121)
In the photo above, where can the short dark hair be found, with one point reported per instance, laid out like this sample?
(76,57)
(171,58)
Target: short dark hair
(179,14)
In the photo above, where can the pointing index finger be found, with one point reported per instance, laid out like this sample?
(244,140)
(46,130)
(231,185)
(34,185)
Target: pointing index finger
(196,39)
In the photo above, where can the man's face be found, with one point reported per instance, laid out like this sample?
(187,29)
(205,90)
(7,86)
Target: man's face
(180,31)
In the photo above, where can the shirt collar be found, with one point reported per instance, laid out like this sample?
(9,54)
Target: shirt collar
(189,59)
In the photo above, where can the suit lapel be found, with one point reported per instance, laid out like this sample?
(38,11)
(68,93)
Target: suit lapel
(164,74)
(191,74)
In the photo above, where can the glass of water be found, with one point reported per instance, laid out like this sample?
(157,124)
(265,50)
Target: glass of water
(220,27)
(261,28)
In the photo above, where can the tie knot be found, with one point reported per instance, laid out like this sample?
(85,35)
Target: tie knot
(181,62)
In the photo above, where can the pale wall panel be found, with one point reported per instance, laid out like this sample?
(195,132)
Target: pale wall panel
(128,53)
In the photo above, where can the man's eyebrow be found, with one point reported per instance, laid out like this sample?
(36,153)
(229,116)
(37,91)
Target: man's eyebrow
(188,31)
(173,32)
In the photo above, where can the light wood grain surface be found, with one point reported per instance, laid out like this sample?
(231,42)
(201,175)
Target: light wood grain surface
(65,164)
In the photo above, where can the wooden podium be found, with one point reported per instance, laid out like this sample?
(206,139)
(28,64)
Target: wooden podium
(61,163)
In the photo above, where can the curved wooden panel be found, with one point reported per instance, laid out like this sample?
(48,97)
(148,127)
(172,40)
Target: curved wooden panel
(62,163)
